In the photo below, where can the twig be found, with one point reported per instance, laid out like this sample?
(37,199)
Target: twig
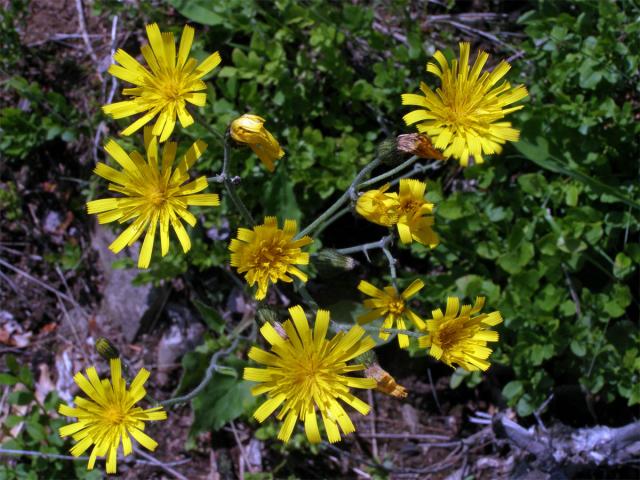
(572,290)
(85,36)
(158,463)
(538,413)
(55,456)
(243,452)
(213,365)
(39,282)
(408,436)
(433,391)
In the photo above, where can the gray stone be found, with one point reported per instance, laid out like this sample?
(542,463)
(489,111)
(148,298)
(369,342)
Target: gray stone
(124,305)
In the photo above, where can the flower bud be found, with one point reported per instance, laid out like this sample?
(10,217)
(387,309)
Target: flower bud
(106,349)
(330,263)
(266,315)
(249,129)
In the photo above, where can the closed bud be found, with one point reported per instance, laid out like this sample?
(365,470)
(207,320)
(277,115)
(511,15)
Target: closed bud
(330,263)
(266,315)
(388,152)
(106,349)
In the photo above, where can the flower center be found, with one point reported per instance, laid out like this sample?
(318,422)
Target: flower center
(450,334)
(409,205)
(270,255)
(396,306)
(114,415)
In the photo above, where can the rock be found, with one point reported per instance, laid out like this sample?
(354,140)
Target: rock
(184,334)
(124,305)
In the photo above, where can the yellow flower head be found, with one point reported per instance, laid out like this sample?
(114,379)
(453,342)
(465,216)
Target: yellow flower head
(307,372)
(266,254)
(109,416)
(460,336)
(378,206)
(154,195)
(414,219)
(250,129)
(391,305)
(461,116)
(164,90)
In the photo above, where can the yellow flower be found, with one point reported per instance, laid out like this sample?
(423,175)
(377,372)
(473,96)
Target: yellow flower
(461,116)
(250,129)
(378,206)
(308,372)
(391,305)
(109,416)
(266,254)
(172,81)
(460,336)
(414,221)
(153,195)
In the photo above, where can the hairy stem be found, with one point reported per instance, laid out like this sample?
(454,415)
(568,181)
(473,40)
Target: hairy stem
(351,193)
(213,365)
(229,185)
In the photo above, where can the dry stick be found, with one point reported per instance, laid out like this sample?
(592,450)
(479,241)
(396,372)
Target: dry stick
(158,463)
(39,282)
(213,364)
(243,452)
(410,436)
(85,35)
(433,391)
(56,456)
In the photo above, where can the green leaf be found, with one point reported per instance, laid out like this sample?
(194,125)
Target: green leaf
(224,399)
(210,316)
(7,379)
(279,198)
(198,11)
(513,390)
(578,348)
(539,154)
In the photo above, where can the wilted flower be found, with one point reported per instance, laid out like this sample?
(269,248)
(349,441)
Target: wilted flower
(164,90)
(249,129)
(109,416)
(460,336)
(266,254)
(307,373)
(462,115)
(154,195)
(391,305)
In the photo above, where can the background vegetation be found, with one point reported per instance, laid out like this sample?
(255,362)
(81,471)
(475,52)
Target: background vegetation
(548,230)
